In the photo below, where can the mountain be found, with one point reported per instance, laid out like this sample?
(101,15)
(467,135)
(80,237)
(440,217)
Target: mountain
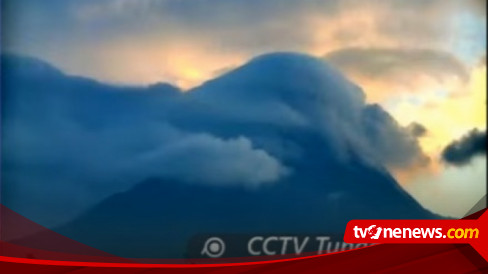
(283,144)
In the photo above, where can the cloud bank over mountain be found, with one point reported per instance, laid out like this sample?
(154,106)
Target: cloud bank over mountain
(286,133)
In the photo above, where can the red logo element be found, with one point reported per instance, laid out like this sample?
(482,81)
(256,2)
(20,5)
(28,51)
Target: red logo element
(473,232)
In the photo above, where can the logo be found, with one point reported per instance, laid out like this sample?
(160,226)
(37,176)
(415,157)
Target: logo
(466,231)
(214,247)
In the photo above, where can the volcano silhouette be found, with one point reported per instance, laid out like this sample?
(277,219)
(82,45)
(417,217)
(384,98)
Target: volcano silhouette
(331,145)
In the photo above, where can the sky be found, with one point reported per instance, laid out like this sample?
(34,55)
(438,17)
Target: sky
(422,61)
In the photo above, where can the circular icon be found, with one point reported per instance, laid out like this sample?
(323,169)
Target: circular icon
(214,247)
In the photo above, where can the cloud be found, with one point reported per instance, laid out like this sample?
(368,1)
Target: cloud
(398,64)
(389,72)
(461,152)
(107,130)
(257,124)
(203,158)
(150,40)
(417,130)
(397,146)
(311,94)
(89,140)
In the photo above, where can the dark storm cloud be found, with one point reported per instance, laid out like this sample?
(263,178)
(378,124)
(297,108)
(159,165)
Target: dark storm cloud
(461,152)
